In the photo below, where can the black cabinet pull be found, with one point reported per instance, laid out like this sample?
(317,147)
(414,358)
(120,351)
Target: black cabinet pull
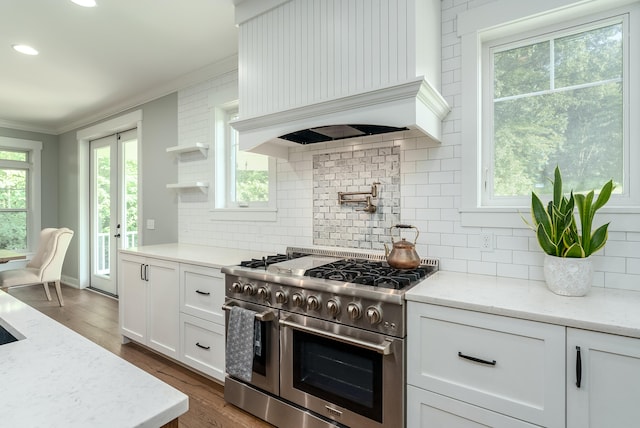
(204,293)
(146,273)
(477,360)
(202,346)
(578,367)
(142,272)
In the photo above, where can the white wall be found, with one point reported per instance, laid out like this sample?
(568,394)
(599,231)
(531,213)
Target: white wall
(430,192)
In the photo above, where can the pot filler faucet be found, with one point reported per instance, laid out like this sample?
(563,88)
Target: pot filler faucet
(369,207)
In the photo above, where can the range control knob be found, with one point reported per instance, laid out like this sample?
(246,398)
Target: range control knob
(333,307)
(298,300)
(264,293)
(236,287)
(281,297)
(374,314)
(249,290)
(354,310)
(313,303)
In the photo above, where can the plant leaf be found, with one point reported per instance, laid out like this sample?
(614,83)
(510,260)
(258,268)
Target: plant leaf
(575,251)
(539,214)
(603,197)
(599,238)
(584,211)
(545,241)
(557,186)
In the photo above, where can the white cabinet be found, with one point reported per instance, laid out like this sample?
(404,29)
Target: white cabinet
(431,410)
(202,292)
(609,372)
(133,298)
(148,302)
(202,345)
(202,331)
(508,366)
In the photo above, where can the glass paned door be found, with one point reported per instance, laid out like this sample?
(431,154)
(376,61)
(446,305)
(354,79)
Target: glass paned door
(114,205)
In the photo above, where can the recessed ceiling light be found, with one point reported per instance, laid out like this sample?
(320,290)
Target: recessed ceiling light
(27,50)
(85,3)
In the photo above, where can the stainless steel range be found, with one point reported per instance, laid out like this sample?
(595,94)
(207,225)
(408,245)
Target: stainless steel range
(329,337)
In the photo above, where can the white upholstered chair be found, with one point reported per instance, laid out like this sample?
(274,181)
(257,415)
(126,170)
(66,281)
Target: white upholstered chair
(46,266)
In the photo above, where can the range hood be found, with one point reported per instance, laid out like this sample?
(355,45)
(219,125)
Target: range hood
(339,86)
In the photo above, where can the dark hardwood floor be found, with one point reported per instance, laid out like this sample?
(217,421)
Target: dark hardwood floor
(95,317)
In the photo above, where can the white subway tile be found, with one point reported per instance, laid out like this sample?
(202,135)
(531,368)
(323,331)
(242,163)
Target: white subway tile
(482,268)
(513,271)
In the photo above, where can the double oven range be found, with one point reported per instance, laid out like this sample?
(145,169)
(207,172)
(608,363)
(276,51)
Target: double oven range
(332,337)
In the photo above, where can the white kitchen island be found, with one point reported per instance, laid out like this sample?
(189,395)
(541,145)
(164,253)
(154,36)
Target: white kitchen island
(54,377)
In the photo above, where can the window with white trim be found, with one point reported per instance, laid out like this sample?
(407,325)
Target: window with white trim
(245,182)
(555,99)
(547,91)
(19,190)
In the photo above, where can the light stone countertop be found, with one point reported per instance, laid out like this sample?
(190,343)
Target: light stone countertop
(604,310)
(55,377)
(195,254)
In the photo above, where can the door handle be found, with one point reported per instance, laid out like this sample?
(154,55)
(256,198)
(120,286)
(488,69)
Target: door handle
(476,359)
(144,272)
(383,348)
(117,235)
(265,316)
(578,367)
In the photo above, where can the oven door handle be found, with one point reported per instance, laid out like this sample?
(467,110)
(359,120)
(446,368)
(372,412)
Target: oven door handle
(265,316)
(380,348)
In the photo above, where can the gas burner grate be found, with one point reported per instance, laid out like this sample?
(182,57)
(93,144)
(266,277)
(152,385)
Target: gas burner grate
(368,272)
(264,262)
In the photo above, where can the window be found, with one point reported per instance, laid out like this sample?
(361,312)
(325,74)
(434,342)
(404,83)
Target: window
(543,87)
(245,182)
(248,172)
(19,189)
(555,100)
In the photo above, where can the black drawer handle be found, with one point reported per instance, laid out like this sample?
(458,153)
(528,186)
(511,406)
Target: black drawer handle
(477,360)
(578,367)
(204,293)
(202,346)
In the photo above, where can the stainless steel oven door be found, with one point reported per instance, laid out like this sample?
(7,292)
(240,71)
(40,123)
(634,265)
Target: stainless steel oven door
(266,367)
(352,376)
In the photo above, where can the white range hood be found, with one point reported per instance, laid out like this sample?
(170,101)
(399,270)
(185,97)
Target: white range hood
(309,64)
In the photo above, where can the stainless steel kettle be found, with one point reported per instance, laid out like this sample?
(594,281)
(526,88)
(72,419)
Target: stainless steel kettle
(403,255)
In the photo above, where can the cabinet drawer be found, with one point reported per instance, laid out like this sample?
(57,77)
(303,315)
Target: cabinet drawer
(202,292)
(426,409)
(203,346)
(507,365)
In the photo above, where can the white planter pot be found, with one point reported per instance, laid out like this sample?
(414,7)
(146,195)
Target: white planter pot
(568,276)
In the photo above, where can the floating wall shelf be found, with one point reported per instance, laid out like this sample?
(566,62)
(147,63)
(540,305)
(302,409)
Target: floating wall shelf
(202,185)
(197,147)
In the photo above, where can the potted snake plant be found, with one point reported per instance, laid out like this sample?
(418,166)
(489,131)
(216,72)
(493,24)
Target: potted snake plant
(568,268)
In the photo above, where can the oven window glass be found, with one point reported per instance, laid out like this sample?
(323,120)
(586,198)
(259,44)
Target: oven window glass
(346,375)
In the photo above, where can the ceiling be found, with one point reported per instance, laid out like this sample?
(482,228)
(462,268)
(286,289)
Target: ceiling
(95,62)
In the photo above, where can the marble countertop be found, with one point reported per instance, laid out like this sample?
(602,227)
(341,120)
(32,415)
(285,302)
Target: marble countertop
(605,310)
(195,254)
(55,377)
